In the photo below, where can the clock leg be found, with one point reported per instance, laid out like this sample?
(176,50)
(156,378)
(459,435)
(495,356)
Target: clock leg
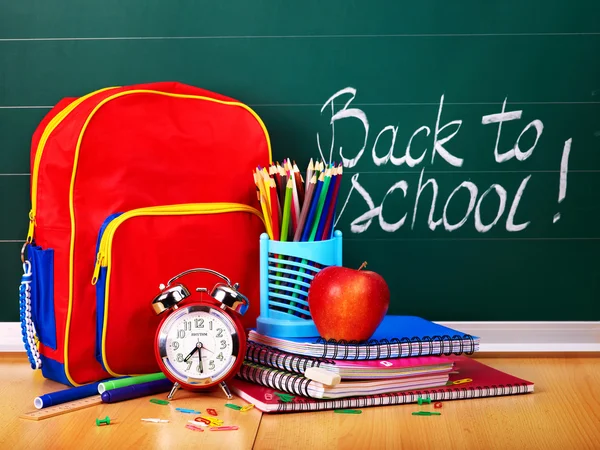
(226,390)
(173,390)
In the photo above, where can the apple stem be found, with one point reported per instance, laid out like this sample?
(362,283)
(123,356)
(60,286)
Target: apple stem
(363,265)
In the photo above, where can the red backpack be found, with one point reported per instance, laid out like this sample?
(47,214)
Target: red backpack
(129,187)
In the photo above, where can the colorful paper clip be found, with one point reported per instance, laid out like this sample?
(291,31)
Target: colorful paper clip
(347,411)
(105,421)
(286,398)
(464,380)
(247,407)
(193,427)
(225,428)
(203,420)
(437,405)
(211,411)
(232,406)
(422,400)
(187,411)
(159,402)
(201,424)
(212,421)
(426,413)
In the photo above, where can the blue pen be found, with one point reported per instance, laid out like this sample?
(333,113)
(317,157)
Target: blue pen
(136,391)
(66,395)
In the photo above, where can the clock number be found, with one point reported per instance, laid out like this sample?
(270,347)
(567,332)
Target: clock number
(175,345)
(210,325)
(223,344)
(180,334)
(211,365)
(199,323)
(219,332)
(220,356)
(187,325)
(199,368)
(190,362)
(179,357)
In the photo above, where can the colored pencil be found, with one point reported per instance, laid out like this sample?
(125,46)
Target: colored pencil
(275,209)
(286,211)
(309,172)
(321,203)
(299,184)
(326,205)
(296,202)
(305,207)
(328,230)
(313,208)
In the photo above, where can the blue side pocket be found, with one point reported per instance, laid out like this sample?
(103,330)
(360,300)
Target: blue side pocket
(42,294)
(100,295)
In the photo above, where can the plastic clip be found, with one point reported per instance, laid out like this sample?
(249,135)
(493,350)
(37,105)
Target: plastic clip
(347,411)
(105,421)
(422,400)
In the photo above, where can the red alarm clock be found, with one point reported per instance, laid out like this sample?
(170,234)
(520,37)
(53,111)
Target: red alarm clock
(203,343)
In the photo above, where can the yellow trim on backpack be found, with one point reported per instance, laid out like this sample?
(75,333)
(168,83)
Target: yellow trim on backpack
(72,186)
(54,122)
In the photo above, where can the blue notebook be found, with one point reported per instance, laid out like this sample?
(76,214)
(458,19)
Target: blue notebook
(396,337)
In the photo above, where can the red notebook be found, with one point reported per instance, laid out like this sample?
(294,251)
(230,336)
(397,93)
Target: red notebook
(485,382)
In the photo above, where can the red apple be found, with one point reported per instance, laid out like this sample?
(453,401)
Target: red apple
(348,303)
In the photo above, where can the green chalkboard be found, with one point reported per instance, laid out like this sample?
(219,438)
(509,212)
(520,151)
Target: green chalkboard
(491,214)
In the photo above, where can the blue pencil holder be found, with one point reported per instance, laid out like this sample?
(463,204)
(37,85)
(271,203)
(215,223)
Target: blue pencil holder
(286,270)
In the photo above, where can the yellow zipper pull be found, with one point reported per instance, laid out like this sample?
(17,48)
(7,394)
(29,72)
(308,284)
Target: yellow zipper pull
(99,260)
(31,227)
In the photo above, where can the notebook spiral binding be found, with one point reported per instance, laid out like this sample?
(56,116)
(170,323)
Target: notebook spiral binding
(272,357)
(333,348)
(275,379)
(399,398)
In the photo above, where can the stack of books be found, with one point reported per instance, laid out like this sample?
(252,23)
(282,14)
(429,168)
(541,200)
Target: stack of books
(407,358)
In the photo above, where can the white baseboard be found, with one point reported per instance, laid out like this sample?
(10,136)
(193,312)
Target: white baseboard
(533,336)
(495,336)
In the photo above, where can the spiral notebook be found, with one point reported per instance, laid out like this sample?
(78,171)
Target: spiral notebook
(486,382)
(348,369)
(396,337)
(299,385)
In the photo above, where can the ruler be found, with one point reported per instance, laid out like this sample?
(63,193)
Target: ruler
(51,411)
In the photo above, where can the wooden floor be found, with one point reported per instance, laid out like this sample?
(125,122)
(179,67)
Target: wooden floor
(563,413)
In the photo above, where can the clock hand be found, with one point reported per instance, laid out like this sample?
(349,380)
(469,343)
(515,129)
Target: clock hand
(199,346)
(186,359)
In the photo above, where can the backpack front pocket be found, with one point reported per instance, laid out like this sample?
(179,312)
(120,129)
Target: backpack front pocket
(142,248)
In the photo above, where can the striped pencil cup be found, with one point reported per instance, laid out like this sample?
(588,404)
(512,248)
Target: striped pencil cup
(286,270)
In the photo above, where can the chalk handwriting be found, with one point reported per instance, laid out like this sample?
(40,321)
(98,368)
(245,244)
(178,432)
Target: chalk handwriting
(402,198)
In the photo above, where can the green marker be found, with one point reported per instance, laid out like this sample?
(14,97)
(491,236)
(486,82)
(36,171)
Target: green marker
(108,385)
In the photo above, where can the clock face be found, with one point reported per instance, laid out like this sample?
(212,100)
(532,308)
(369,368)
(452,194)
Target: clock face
(198,345)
